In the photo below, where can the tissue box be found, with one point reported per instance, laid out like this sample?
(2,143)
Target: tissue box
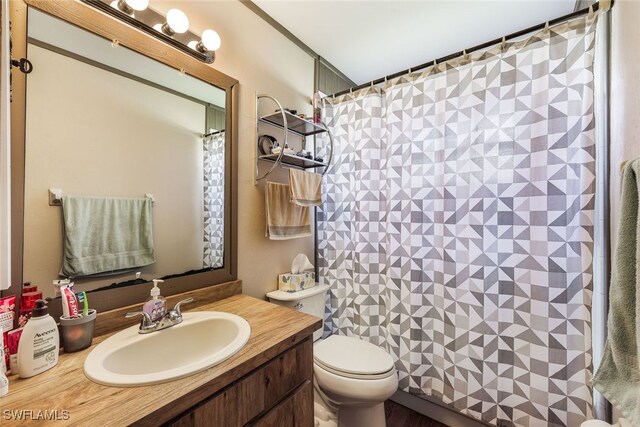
(289,282)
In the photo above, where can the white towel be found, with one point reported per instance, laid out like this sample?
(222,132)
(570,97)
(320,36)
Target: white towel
(305,188)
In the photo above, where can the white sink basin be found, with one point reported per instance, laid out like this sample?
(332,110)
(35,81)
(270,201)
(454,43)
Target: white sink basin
(202,340)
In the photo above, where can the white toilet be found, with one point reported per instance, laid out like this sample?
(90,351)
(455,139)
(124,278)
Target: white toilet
(351,377)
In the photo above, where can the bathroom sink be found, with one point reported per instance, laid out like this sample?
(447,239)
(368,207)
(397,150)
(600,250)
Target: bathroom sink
(202,340)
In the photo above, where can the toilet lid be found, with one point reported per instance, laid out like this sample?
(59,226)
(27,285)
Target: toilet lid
(352,356)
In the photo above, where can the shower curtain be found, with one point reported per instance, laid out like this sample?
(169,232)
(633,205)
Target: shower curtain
(457,227)
(213,150)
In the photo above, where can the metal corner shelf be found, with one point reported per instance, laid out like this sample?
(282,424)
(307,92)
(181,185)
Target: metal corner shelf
(290,123)
(295,124)
(296,161)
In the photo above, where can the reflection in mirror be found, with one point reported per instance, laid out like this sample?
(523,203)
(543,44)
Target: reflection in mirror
(107,121)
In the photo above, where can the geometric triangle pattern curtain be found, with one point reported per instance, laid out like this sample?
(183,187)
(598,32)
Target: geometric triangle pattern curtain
(213,152)
(457,228)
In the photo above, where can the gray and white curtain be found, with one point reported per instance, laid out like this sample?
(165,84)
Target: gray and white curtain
(457,227)
(213,149)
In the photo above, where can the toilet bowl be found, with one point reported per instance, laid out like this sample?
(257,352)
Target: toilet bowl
(352,377)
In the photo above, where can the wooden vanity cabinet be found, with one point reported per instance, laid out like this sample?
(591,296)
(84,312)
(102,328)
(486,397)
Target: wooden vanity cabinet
(279,393)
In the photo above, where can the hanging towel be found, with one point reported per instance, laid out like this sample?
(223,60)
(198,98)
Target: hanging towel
(305,188)
(105,234)
(618,377)
(285,220)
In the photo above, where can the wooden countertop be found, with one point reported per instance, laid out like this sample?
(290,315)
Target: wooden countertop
(65,387)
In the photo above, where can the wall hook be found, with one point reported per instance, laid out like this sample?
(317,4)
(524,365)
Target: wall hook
(23,64)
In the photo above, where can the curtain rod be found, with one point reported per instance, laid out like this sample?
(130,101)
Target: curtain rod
(206,135)
(602,4)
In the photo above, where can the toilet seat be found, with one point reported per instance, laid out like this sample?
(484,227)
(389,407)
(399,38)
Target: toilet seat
(353,358)
(355,376)
(342,390)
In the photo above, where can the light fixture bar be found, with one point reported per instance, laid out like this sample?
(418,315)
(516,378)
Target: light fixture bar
(146,19)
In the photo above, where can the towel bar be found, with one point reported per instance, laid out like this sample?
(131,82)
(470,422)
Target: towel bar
(55,197)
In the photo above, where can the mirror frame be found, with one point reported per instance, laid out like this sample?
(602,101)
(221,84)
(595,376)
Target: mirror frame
(88,18)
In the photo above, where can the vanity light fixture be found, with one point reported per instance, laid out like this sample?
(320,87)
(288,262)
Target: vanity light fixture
(172,29)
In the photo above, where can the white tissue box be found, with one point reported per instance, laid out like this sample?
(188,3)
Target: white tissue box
(289,282)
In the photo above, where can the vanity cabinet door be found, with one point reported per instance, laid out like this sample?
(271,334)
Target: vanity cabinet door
(269,386)
(295,411)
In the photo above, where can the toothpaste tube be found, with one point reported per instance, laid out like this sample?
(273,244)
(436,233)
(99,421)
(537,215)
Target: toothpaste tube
(58,283)
(69,301)
(7,312)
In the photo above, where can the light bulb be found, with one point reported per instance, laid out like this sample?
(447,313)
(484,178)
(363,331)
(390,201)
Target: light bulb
(211,40)
(177,22)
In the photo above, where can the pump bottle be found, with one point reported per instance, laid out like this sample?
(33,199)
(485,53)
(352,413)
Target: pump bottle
(39,343)
(156,304)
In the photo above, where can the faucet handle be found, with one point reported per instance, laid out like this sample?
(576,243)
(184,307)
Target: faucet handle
(177,306)
(145,322)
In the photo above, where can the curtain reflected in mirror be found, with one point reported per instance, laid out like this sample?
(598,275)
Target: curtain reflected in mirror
(213,149)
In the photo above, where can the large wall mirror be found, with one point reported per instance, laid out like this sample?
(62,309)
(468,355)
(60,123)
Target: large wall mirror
(110,112)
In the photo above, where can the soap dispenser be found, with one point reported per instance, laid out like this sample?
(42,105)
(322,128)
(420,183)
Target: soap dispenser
(156,305)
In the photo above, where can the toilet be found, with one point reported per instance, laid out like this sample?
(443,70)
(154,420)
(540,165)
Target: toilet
(352,377)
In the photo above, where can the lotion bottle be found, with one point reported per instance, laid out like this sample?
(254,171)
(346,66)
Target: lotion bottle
(156,305)
(39,343)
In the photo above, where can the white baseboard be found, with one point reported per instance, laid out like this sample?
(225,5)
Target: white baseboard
(436,411)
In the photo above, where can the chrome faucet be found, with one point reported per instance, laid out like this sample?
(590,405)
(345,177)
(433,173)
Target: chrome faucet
(171,318)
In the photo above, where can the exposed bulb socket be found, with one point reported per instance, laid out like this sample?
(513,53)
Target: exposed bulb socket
(131,6)
(124,7)
(167,29)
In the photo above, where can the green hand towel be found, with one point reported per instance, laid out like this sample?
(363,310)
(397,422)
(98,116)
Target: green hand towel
(618,377)
(106,234)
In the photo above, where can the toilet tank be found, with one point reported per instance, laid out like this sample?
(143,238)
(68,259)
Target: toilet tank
(310,301)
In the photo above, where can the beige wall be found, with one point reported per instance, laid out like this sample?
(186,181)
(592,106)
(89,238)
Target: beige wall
(79,146)
(625,95)
(264,61)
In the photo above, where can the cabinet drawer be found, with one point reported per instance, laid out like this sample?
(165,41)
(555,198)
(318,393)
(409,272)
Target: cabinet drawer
(295,411)
(256,393)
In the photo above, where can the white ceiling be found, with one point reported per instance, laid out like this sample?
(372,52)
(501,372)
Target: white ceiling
(368,39)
